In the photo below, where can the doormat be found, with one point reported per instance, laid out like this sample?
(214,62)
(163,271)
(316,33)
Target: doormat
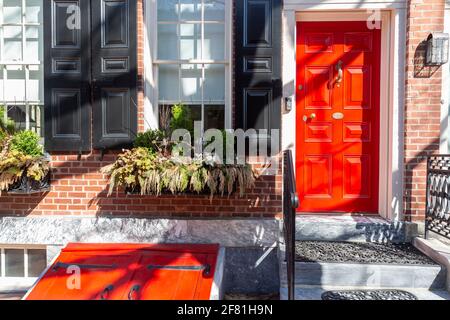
(368,295)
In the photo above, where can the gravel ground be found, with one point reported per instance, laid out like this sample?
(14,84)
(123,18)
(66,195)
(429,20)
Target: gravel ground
(351,252)
(368,295)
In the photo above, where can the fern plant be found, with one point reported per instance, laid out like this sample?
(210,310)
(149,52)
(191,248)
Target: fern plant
(22,156)
(138,170)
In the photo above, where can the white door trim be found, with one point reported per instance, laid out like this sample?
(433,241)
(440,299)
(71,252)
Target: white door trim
(392,89)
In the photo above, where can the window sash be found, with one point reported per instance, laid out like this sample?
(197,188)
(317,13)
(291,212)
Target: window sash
(24,249)
(20,62)
(225,62)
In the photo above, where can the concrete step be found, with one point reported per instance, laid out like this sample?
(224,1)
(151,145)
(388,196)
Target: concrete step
(315,292)
(353,228)
(366,275)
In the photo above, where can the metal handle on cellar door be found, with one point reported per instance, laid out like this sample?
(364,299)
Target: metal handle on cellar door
(135,288)
(106,291)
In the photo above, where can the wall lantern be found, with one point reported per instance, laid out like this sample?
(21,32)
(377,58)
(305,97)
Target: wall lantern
(437,49)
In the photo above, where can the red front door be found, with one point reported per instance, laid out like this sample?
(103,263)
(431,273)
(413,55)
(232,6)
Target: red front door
(338,116)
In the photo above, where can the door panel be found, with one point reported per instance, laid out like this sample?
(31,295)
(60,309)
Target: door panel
(317,94)
(338,78)
(114,73)
(67,77)
(171,276)
(86,276)
(257,85)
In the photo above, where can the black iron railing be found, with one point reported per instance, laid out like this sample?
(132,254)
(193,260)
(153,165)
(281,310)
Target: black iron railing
(437,218)
(290,204)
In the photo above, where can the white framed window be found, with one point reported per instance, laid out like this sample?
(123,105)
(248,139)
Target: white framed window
(21,63)
(192,58)
(21,265)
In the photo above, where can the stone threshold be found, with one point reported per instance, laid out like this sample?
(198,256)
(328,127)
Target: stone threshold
(437,251)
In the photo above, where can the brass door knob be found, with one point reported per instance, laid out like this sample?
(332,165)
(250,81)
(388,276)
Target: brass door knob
(312,116)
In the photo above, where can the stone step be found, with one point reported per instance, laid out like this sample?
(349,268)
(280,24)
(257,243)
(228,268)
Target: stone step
(353,228)
(366,275)
(315,292)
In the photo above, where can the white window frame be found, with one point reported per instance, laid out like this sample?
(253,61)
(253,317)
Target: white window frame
(26,65)
(17,283)
(151,63)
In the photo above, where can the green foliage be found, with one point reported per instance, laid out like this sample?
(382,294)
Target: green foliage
(129,169)
(14,164)
(27,142)
(7,126)
(21,154)
(152,140)
(182,118)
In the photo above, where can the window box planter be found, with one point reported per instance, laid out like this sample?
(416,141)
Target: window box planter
(136,172)
(28,185)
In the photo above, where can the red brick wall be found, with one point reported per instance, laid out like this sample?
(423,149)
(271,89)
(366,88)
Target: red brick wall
(78,187)
(422,102)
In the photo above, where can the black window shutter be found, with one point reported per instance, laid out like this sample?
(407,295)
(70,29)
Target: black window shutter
(66,74)
(258,87)
(114,73)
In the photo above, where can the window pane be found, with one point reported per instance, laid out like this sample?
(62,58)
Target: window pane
(167,42)
(2,98)
(214,10)
(190,41)
(35,84)
(34,51)
(196,112)
(191,82)
(214,117)
(15,84)
(14,263)
(165,114)
(191,10)
(12,11)
(18,115)
(168,83)
(33,12)
(37,119)
(167,10)
(214,42)
(37,262)
(214,90)
(13,43)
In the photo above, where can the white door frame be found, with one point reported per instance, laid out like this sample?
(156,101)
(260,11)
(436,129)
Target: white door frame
(393,18)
